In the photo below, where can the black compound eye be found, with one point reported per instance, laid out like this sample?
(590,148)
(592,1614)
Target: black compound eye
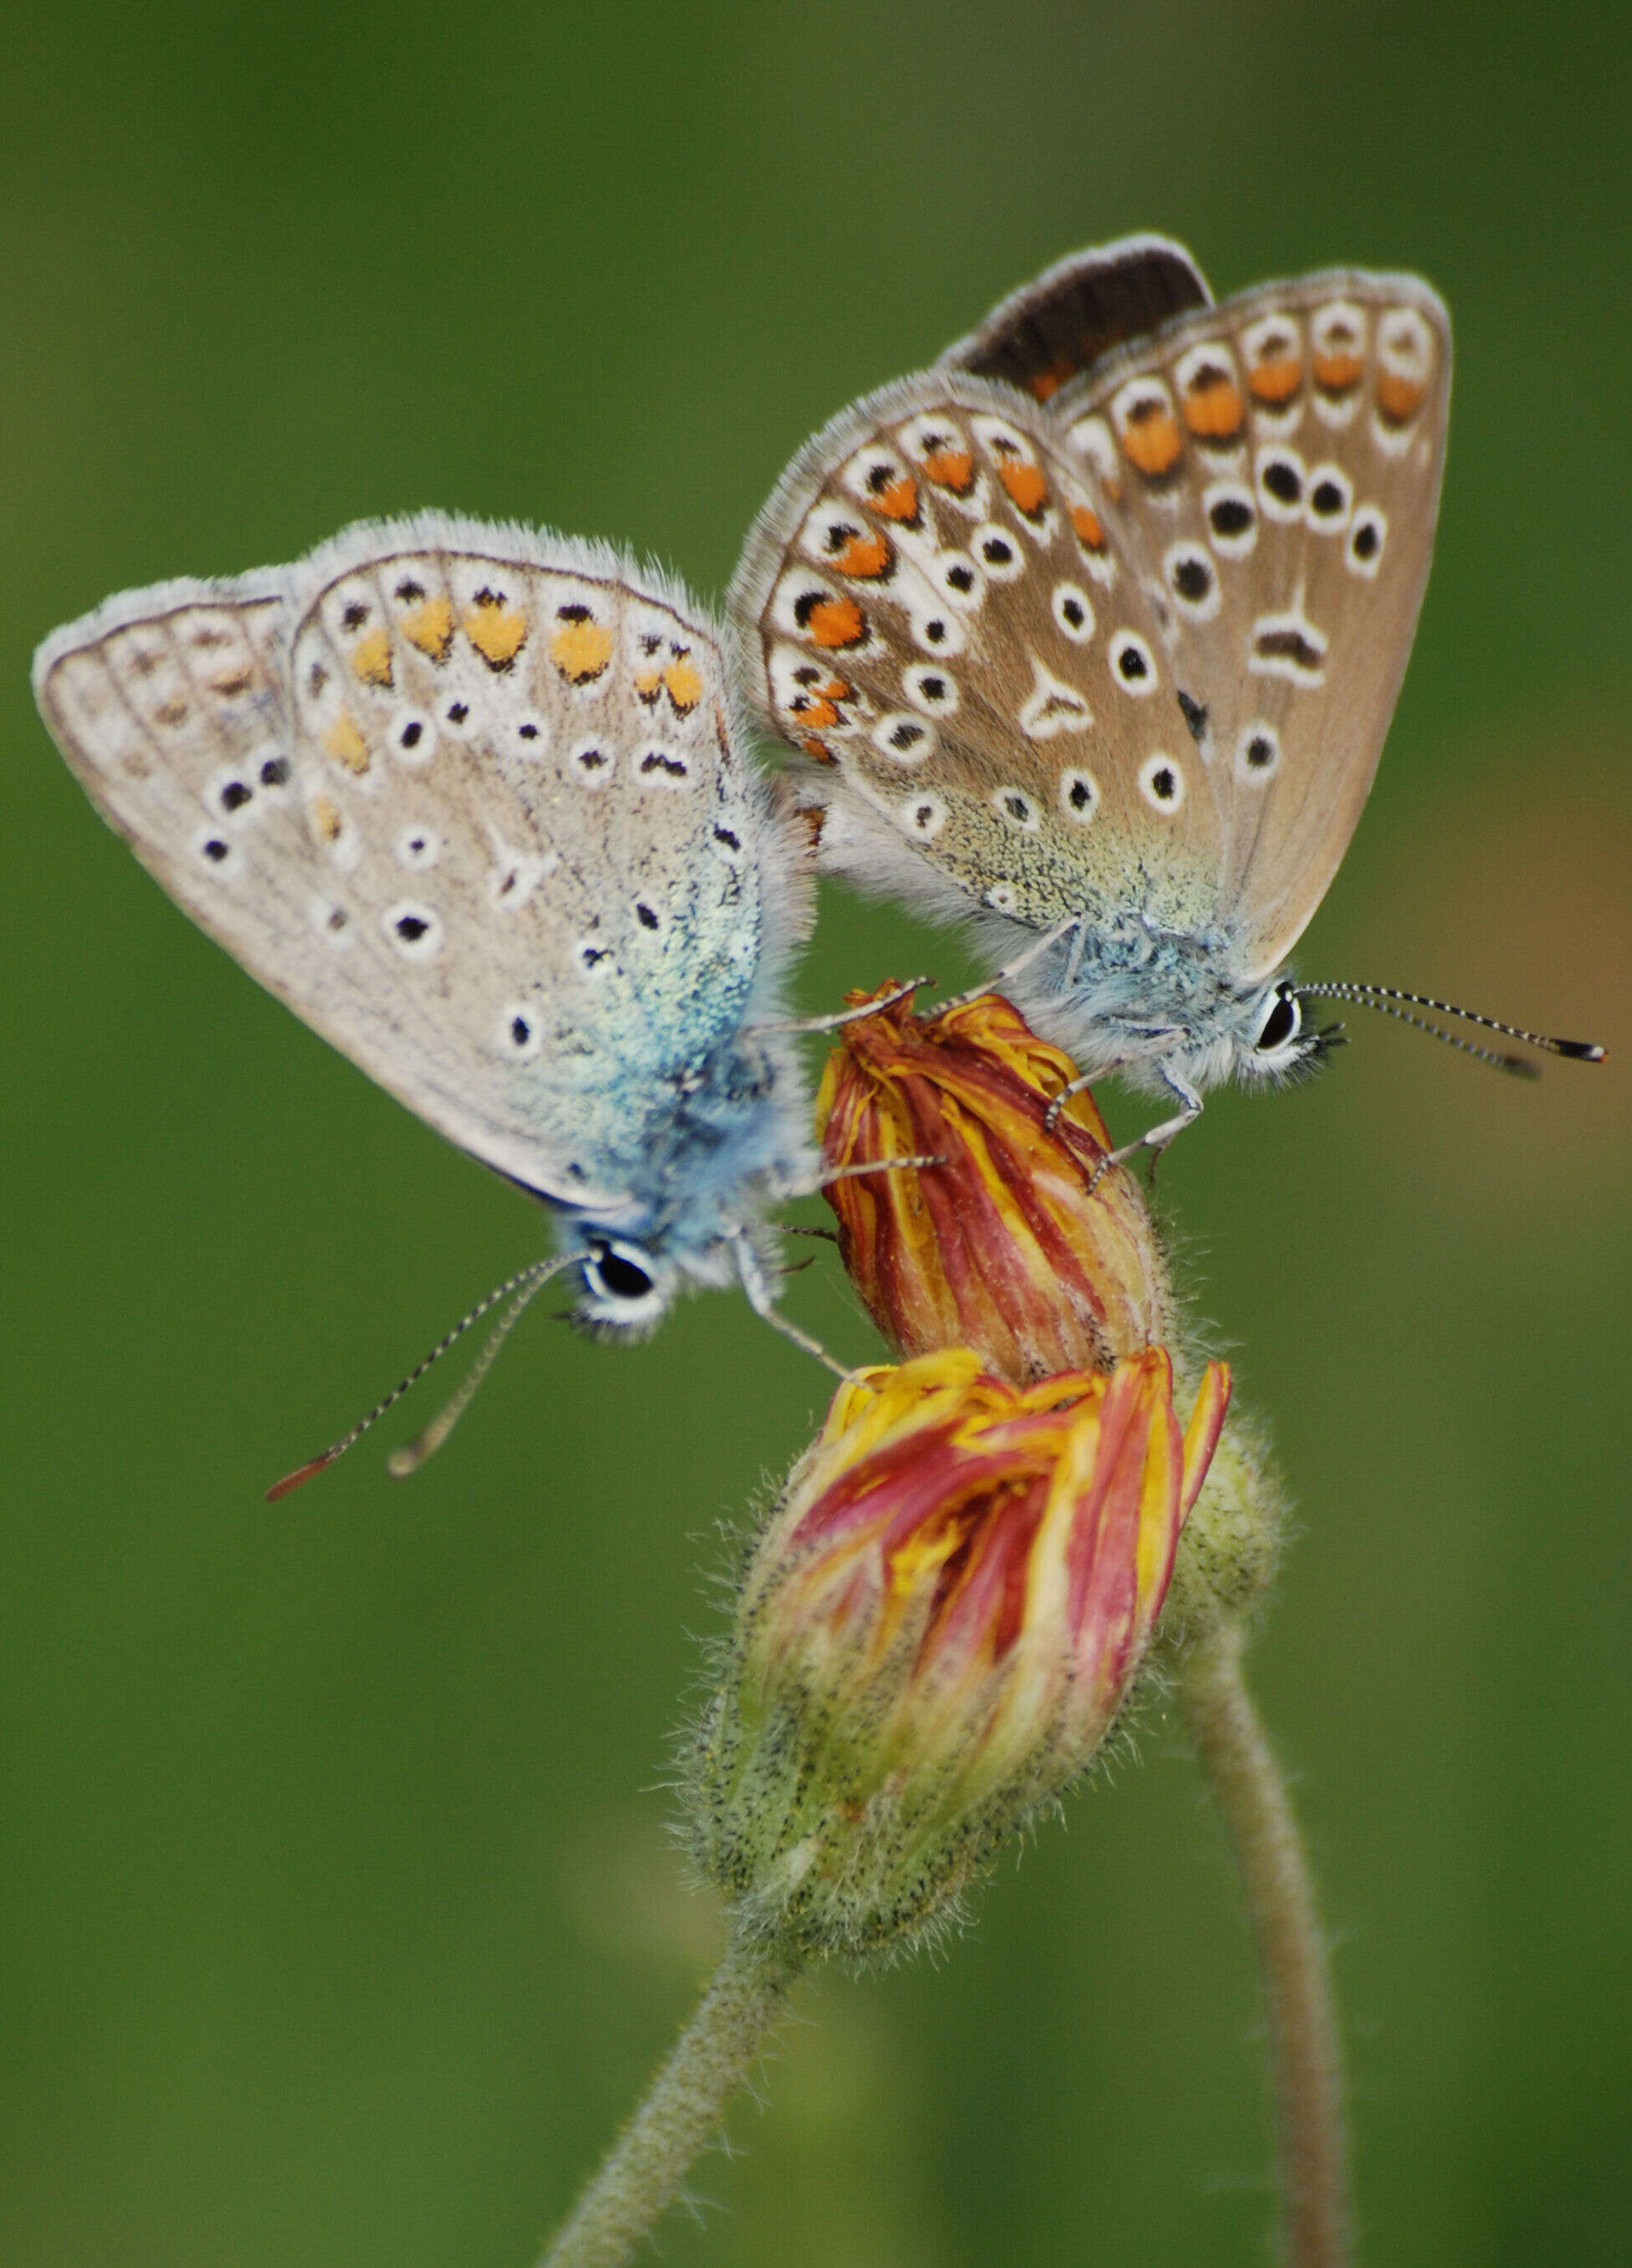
(1282,1021)
(623,1278)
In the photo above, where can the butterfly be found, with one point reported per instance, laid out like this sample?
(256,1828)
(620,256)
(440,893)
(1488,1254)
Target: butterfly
(1094,631)
(471,801)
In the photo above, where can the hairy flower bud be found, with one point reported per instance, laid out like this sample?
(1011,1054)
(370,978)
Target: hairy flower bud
(936,1630)
(1021,1242)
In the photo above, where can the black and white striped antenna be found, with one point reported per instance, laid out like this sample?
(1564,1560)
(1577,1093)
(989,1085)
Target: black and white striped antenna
(1389,1000)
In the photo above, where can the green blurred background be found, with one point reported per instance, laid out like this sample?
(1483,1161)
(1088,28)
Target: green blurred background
(341,1923)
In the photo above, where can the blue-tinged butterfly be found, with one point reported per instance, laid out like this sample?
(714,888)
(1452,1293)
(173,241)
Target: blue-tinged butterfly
(472,802)
(1095,629)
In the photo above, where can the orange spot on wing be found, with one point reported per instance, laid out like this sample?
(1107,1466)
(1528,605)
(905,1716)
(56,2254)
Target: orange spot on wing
(818,751)
(1399,398)
(371,657)
(1085,520)
(1335,373)
(498,632)
(581,650)
(345,743)
(1151,440)
(685,683)
(1045,384)
(1277,380)
(648,684)
(866,556)
(814,711)
(326,818)
(950,468)
(430,626)
(898,499)
(1213,407)
(1026,485)
(835,623)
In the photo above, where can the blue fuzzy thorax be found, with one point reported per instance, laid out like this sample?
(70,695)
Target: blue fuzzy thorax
(704,1157)
(1133,997)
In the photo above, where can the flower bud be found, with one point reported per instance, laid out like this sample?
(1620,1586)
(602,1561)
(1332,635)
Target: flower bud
(937,1628)
(1021,1243)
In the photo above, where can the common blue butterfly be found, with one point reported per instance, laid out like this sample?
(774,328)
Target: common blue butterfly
(1094,631)
(471,801)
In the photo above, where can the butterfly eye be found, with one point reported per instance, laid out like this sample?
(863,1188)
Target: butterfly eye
(1281,1022)
(613,1272)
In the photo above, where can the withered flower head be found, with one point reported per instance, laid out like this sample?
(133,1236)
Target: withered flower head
(1022,1244)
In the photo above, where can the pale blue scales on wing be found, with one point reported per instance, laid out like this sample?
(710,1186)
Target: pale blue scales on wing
(471,801)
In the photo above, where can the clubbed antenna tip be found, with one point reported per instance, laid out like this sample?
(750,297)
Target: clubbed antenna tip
(518,1288)
(1383,998)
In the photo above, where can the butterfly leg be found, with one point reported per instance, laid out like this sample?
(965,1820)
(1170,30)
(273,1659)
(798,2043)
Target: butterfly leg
(993,984)
(1158,1138)
(847,1015)
(758,1298)
(1155,1139)
(811,1184)
(1074,961)
(871,1166)
(1051,1115)
(1001,978)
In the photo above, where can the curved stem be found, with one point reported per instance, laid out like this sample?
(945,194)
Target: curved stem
(1291,1951)
(642,2172)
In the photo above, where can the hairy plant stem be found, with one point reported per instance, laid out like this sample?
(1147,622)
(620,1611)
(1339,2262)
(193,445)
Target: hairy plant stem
(642,2174)
(1291,1951)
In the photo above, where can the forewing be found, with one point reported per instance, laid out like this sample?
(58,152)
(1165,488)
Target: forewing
(463,797)
(930,609)
(1273,468)
(1067,319)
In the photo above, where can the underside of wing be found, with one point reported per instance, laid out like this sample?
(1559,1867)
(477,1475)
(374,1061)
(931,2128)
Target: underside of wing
(930,611)
(464,798)
(1272,467)
(1074,313)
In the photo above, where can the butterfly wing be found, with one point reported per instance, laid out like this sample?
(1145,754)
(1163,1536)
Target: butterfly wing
(1075,313)
(929,610)
(466,800)
(1272,467)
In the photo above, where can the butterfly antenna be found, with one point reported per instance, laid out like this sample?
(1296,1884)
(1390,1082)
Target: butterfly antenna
(519,1289)
(1384,998)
